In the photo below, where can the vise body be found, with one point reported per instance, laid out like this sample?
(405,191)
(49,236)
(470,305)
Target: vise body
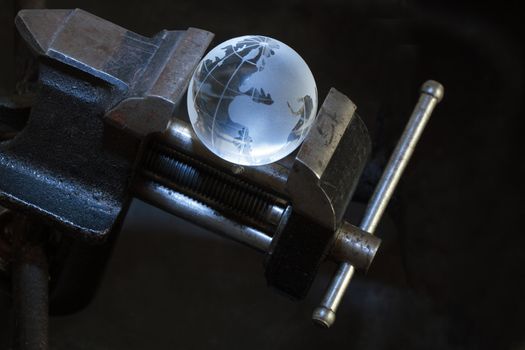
(107,126)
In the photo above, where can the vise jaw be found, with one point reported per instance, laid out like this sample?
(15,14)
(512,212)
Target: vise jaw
(102,89)
(320,184)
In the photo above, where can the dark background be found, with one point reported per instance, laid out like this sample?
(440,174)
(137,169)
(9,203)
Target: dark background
(450,273)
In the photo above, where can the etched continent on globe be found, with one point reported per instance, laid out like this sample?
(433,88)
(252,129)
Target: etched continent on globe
(252,100)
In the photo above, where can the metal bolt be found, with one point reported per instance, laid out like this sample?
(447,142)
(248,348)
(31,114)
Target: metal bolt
(431,93)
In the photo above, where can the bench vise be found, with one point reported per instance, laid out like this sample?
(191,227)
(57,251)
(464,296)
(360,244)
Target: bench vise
(108,124)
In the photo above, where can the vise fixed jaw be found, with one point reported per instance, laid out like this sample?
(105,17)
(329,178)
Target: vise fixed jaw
(151,74)
(102,89)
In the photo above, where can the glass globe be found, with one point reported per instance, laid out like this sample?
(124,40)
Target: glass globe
(252,100)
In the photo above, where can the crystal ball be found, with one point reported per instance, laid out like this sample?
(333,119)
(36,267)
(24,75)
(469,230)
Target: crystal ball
(252,100)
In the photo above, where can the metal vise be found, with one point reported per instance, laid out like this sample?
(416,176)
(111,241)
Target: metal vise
(106,127)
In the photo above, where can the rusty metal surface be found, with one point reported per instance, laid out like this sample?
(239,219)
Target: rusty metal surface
(355,246)
(330,162)
(157,91)
(152,72)
(88,42)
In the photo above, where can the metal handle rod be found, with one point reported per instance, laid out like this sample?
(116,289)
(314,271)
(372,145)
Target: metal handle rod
(431,93)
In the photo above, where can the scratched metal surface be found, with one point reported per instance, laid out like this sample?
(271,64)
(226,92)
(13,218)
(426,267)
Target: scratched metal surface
(450,273)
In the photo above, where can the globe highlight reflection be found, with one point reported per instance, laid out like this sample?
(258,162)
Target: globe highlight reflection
(252,100)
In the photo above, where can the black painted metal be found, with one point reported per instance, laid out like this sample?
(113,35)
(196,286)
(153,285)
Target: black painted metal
(296,254)
(61,167)
(101,90)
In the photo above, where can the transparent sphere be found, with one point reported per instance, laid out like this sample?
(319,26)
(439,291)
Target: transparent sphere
(252,100)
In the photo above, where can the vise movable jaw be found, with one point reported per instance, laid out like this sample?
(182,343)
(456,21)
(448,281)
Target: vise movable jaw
(102,131)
